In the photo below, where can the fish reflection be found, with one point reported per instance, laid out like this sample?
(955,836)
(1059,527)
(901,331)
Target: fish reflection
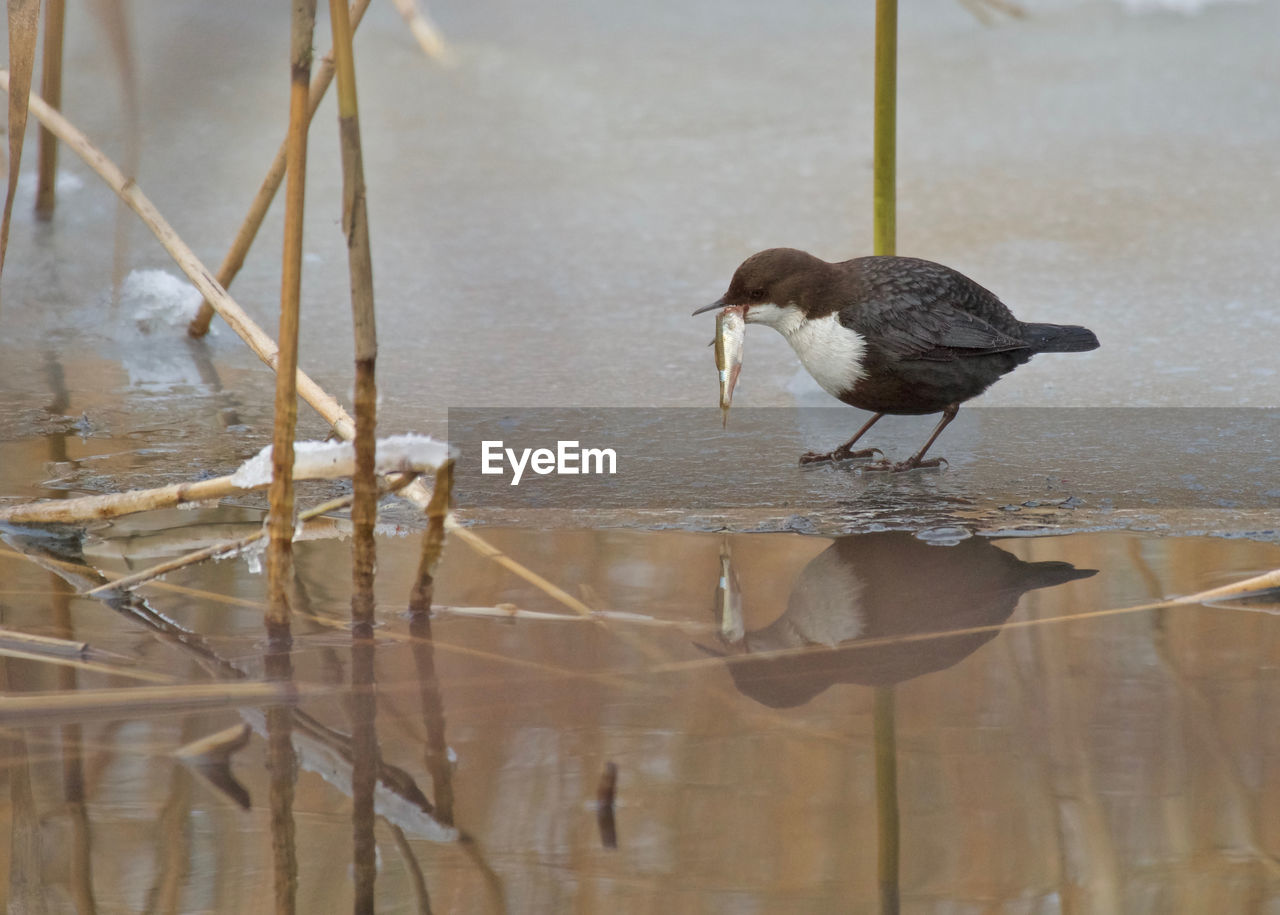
(870,587)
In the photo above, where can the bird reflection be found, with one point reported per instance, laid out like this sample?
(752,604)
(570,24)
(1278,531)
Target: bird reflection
(866,588)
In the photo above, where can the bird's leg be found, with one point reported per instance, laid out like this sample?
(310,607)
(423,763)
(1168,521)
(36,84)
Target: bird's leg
(843,452)
(916,460)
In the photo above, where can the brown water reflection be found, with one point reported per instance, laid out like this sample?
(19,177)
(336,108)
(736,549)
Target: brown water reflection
(858,609)
(1123,763)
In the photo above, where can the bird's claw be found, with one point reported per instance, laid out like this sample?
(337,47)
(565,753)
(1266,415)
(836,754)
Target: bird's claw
(818,457)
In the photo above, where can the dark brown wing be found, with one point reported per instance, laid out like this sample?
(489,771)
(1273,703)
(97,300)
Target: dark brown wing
(916,309)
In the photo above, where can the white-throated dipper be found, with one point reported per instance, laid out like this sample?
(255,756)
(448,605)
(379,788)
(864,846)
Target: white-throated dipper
(894,335)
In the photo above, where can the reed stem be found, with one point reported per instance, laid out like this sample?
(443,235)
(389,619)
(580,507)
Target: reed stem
(364,507)
(421,595)
(280,518)
(51,90)
(355,224)
(884,178)
(281,760)
(24,21)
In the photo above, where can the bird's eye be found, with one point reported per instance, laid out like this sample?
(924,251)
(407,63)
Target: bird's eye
(757,294)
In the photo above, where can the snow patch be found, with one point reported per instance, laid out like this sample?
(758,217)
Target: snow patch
(329,460)
(158,300)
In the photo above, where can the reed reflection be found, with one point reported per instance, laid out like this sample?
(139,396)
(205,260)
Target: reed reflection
(365,764)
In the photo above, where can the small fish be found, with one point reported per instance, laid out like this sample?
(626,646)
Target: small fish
(731,333)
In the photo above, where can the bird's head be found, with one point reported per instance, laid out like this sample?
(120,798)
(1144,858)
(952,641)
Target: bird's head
(774,286)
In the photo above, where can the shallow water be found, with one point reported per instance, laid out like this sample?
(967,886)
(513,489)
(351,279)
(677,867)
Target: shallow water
(1049,757)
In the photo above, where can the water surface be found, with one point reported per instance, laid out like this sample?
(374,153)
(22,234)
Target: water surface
(1048,757)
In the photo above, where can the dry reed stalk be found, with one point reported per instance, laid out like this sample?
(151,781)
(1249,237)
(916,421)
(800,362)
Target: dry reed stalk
(217,746)
(884,241)
(239,321)
(87,508)
(72,655)
(112,505)
(51,89)
(355,225)
(280,520)
(364,507)
(1264,582)
(420,595)
(281,760)
(488,550)
(95,667)
(243,241)
(24,21)
(132,701)
(425,32)
(512,613)
(44,644)
(225,547)
(884,181)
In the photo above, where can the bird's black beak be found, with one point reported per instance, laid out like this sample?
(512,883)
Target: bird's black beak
(718,303)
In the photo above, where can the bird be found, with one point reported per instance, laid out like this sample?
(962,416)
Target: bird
(892,335)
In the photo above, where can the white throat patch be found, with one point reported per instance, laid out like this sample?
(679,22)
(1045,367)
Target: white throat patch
(829,351)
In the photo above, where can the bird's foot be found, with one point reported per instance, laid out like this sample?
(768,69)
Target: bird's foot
(909,464)
(840,454)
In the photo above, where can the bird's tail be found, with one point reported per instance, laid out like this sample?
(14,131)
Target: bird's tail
(1059,338)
